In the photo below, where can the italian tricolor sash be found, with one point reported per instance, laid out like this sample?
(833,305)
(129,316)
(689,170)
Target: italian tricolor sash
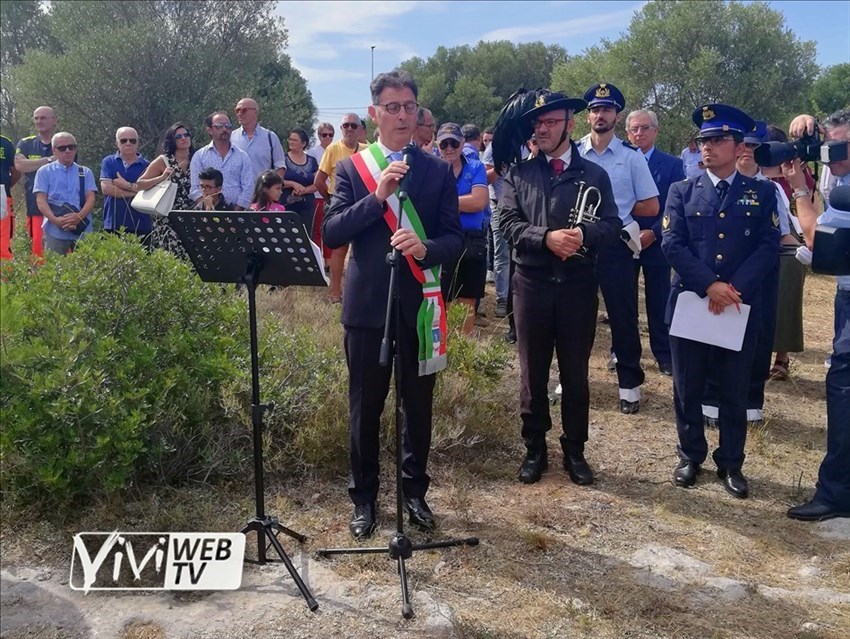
(431,319)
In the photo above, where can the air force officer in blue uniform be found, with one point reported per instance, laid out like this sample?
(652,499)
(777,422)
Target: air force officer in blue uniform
(642,128)
(721,237)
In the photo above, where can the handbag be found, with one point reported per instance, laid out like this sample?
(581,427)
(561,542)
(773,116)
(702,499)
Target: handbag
(65,208)
(157,200)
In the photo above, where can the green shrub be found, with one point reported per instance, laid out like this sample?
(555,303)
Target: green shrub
(113,362)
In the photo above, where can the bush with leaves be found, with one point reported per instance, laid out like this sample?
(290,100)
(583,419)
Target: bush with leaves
(113,363)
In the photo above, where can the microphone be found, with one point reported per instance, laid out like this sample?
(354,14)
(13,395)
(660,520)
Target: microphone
(839,198)
(407,157)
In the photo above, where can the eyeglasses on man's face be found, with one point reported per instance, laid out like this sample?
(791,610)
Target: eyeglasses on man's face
(66,147)
(240,110)
(220,126)
(394,107)
(326,135)
(720,139)
(548,123)
(128,140)
(449,143)
(640,128)
(351,125)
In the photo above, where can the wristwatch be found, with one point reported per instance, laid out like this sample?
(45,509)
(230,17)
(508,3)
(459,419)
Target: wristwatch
(801,192)
(422,259)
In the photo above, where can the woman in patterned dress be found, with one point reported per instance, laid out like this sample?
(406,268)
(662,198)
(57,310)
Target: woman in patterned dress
(172,165)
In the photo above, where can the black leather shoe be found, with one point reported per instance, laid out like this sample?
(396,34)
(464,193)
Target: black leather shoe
(685,474)
(362,521)
(629,408)
(710,422)
(533,466)
(815,511)
(578,469)
(420,514)
(666,369)
(734,482)
(510,337)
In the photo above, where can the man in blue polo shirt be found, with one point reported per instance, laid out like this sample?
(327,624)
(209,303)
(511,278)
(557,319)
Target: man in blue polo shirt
(118,175)
(64,193)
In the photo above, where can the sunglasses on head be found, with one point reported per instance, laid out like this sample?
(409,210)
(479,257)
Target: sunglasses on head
(127,140)
(350,125)
(450,142)
(66,147)
(180,136)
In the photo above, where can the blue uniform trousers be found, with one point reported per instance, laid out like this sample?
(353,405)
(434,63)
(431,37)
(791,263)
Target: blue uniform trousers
(613,267)
(692,362)
(833,486)
(656,291)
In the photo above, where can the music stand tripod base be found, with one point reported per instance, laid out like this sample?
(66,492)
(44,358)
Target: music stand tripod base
(254,248)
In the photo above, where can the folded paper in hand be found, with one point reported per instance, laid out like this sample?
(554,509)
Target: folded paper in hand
(692,320)
(157,200)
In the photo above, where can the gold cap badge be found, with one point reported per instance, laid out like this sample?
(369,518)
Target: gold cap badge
(603,91)
(541,100)
(707,114)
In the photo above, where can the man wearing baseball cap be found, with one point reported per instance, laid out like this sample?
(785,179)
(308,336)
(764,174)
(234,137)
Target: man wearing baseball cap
(721,236)
(554,286)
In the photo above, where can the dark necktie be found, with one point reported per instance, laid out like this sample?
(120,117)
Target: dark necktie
(557,165)
(722,187)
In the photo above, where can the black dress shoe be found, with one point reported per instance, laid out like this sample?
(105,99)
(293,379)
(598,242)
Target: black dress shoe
(734,482)
(815,511)
(510,337)
(710,422)
(629,408)
(578,469)
(362,521)
(666,369)
(685,474)
(420,514)
(533,466)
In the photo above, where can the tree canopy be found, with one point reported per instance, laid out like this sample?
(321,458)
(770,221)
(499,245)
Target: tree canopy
(107,64)
(830,91)
(678,55)
(470,84)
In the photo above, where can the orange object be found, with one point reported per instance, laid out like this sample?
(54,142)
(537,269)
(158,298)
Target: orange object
(35,233)
(7,232)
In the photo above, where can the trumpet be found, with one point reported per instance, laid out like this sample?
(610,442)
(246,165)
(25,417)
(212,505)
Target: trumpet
(588,200)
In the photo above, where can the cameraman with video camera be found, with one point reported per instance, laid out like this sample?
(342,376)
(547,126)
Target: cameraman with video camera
(832,493)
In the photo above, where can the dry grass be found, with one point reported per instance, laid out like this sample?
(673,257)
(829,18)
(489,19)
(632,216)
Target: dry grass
(555,558)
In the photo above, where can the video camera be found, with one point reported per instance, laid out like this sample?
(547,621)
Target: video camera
(831,254)
(809,148)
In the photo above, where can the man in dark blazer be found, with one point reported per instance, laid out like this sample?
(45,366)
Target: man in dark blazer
(642,129)
(366,187)
(721,236)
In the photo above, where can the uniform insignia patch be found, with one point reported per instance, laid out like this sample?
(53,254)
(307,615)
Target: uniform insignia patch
(775,220)
(603,91)
(665,222)
(541,100)
(707,114)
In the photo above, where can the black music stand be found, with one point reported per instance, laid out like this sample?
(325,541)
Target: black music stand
(400,545)
(254,248)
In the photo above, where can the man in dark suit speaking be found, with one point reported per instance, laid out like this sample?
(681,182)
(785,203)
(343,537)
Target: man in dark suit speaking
(642,127)
(363,212)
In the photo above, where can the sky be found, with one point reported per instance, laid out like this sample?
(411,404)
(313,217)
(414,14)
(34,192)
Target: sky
(334,44)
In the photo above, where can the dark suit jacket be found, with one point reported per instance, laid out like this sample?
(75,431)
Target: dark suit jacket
(355,217)
(735,241)
(666,169)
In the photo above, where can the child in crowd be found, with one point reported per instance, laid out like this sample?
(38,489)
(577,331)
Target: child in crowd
(267,192)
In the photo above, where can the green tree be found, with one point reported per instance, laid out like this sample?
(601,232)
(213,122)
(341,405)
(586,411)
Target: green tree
(830,93)
(149,64)
(470,84)
(677,55)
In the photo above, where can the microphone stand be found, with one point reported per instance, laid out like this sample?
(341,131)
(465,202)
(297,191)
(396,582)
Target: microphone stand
(400,545)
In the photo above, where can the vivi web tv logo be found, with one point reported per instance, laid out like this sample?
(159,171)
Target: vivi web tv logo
(157,561)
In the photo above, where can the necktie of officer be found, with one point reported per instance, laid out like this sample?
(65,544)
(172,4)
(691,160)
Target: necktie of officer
(557,165)
(394,156)
(722,187)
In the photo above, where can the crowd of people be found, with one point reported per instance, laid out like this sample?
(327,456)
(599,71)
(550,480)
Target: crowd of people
(708,220)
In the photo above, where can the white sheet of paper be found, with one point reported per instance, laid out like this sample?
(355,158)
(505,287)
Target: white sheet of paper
(320,259)
(692,320)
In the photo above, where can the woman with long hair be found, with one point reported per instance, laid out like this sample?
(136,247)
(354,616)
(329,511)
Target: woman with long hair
(300,173)
(172,164)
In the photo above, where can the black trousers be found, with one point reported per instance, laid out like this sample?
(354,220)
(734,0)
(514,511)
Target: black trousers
(614,266)
(368,386)
(557,316)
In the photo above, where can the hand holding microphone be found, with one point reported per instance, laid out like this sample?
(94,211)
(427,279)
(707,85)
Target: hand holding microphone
(393,177)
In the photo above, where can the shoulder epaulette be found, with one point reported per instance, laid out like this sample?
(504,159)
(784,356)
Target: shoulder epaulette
(629,145)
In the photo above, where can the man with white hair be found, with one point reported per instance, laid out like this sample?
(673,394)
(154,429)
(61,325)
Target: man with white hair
(261,144)
(64,193)
(118,175)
